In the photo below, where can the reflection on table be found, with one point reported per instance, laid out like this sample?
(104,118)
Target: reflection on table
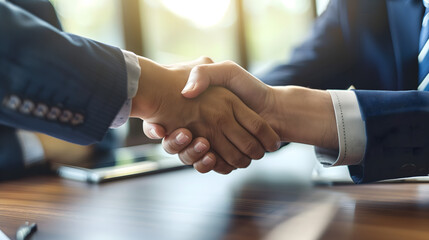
(274,199)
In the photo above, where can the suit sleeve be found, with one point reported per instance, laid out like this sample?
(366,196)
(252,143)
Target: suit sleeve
(10,154)
(397,135)
(57,83)
(323,59)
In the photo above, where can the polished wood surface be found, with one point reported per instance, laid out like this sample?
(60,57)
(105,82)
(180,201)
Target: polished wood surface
(271,200)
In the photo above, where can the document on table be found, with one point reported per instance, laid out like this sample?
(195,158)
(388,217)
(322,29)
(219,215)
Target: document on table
(3,236)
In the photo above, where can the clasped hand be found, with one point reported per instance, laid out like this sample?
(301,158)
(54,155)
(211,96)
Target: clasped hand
(234,133)
(214,116)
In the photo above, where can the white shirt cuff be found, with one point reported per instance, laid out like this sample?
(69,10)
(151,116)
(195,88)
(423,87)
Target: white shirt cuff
(133,72)
(351,131)
(133,76)
(32,149)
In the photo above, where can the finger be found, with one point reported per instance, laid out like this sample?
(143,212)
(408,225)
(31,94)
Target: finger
(177,141)
(222,166)
(153,130)
(257,126)
(229,152)
(194,151)
(244,141)
(206,164)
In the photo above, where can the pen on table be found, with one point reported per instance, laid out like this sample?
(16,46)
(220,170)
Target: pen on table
(24,231)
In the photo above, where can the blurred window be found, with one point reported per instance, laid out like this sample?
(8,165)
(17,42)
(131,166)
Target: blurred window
(186,29)
(321,6)
(180,30)
(100,20)
(273,28)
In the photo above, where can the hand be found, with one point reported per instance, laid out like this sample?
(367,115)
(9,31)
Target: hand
(175,143)
(191,151)
(236,133)
(296,114)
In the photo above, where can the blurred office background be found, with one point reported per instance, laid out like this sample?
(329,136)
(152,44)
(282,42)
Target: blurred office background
(255,33)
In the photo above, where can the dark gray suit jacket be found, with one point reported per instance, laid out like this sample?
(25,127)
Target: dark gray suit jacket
(53,82)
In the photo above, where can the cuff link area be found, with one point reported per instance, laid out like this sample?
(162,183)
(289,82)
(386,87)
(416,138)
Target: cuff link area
(43,111)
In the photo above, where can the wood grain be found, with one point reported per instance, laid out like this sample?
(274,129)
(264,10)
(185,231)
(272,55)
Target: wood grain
(186,205)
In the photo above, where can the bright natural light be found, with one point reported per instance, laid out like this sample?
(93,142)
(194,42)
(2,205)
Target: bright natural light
(321,6)
(202,13)
(297,6)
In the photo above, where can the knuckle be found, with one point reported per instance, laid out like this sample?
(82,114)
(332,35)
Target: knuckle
(206,59)
(259,155)
(240,161)
(244,162)
(199,69)
(258,127)
(230,63)
(191,153)
(185,159)
(166,144)
(192,156)
(224,171)
(252,149)
(200,168)
(222,121)
(222,167)
(203,171)
(233,66)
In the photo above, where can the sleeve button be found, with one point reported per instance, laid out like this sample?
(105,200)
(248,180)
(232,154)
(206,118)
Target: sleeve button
(40,110)
(54,113)
(13,102)
(77,119)
(27,107)
(66,116)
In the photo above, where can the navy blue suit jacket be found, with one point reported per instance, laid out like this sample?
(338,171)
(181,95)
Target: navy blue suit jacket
(43,65)
(373,45)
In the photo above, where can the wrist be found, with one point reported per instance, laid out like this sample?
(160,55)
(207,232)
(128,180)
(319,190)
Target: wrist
(305,115)
(144,102)
(159,98)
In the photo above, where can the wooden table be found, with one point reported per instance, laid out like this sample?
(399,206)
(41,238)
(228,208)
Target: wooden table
(271,200)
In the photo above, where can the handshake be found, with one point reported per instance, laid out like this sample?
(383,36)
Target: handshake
(219,117)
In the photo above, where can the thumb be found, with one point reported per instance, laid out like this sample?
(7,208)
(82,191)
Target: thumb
(215,74)
(198,81)
(231,76)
